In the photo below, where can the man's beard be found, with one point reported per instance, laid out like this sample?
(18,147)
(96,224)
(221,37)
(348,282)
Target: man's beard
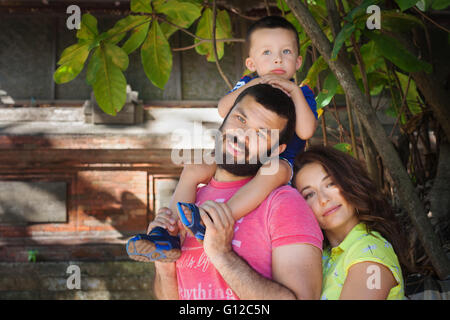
(235,167)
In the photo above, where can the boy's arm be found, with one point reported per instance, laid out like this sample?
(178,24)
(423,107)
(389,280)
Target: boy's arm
(250,196)
(306,123)
(227,101)
(191,176)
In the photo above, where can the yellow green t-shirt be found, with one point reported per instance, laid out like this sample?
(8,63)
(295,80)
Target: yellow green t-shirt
(358,246)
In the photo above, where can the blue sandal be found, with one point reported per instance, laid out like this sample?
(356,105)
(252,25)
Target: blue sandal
(194,227)
(158,245)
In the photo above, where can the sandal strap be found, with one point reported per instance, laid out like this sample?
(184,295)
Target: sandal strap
(194,225)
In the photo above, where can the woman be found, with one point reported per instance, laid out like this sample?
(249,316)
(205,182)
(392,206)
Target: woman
(359,259)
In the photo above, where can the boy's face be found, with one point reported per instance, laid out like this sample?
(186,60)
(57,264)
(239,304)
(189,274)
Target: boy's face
(273,51)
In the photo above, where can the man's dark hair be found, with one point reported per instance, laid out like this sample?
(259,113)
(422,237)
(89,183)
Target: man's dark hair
(272,22)
(274,100)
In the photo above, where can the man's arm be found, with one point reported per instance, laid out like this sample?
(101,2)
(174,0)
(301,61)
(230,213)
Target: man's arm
(297,270)
(297,274)
(165,286)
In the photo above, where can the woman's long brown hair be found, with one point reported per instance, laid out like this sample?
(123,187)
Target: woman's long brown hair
(358,189)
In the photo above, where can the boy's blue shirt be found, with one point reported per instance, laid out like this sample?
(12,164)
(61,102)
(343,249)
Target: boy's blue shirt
(296,145)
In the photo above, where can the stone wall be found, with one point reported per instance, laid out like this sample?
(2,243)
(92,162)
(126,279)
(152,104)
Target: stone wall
(99,281)
(116,178)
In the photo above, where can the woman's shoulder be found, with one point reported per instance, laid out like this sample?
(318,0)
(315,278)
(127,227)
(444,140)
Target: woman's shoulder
(372,247)
(369,243)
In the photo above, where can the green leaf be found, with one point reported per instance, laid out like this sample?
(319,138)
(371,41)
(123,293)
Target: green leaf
(372,59)
(327,93)
(71,62)
(282,5)
(117,55)
(440,4)
(360,10)
(88,27)
(141,6)
(377,81)
(180,13)
(116,33)
(223,25)
(318,66)
(137,37)
(71,52)
(93,66)
(344,147)
(392,50)
(204,30)
(293,20)
(343,35)
(156,56)
(110,84)
(168,29)
(406,4)
(413,95)
(399,22)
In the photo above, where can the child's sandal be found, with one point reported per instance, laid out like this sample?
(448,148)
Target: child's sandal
(194,227)
(158,245)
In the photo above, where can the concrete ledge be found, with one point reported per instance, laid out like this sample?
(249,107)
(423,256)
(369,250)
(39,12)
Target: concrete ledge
(99,280)
(66,114)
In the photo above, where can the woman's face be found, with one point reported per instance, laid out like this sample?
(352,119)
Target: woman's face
(332,211)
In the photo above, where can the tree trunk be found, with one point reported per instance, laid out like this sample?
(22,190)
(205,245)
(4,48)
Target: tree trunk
(385,148)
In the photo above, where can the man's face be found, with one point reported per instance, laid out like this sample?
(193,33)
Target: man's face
(273,51)
(249,133)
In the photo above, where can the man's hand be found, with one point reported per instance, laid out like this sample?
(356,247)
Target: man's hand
(219,229)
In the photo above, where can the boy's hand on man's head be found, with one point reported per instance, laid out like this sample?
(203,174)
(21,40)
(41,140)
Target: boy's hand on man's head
(287,86)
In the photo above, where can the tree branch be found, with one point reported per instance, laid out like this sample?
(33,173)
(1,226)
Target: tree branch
(222,74)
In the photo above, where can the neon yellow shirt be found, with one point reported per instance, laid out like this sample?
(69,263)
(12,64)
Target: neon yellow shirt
(359,246)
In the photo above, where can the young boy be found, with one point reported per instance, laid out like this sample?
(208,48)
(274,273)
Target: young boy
(274,57)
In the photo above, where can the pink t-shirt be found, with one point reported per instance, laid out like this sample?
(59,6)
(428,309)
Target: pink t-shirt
(283,218)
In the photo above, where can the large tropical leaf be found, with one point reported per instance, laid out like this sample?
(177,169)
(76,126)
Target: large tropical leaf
(395,52)
(406,4)
(399,22)
(342,36)
(204,30)
(120,29)
(136,38)
(327,93)
(412,98)
(117,55)
(110,83)
(440,4)
(71,62)
(156,56)
(318,66)
(93,66)
(88,27)
(141,6)
(180,13)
